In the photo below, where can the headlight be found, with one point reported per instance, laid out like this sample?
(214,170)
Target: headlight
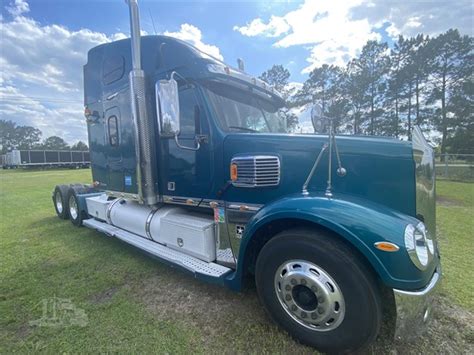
(419,245)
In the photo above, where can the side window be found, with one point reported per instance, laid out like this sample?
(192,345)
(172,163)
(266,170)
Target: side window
(112,124)
(188,110)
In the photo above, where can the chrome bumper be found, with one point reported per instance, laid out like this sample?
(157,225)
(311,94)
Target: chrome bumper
(414,309)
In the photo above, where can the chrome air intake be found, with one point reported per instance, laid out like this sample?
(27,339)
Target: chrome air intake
(144,125)
(256,171)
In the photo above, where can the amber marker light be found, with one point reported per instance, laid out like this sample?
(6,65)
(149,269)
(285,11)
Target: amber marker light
(386,246)
(233,172)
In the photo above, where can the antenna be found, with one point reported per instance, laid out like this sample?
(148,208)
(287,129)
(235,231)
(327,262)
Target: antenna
(152,22)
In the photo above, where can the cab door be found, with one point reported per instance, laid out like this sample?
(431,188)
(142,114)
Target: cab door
(188,173)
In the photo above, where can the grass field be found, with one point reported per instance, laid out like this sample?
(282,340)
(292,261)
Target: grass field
(112,298)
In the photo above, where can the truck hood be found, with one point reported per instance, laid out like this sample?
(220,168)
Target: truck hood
(381,170)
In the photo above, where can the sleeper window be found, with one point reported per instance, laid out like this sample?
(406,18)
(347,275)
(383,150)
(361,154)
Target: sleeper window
(113,131)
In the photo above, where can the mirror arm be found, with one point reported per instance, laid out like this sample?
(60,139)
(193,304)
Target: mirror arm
(198,144)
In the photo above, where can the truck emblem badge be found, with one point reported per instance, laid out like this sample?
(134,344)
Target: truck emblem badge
(239,231)
(180,242)
(171,185)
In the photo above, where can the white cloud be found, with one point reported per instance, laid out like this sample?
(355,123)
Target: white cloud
(41,82)
(410,18)
(62,118)
(335,31)
(18,7)
(275,27)
(324,26)
(193,35)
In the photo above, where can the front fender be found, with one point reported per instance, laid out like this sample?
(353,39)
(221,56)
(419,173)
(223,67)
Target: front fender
(360,222)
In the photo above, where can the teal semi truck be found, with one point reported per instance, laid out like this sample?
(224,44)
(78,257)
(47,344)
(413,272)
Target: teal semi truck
(192,163)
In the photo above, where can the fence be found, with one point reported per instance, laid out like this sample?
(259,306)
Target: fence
(458,167)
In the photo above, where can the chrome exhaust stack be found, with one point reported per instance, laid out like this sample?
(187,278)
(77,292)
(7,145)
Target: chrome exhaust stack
(143,123)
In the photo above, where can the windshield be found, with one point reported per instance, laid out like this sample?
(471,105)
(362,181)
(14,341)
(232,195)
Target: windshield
(241,111)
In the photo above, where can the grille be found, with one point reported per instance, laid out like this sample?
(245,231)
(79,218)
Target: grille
(257,171)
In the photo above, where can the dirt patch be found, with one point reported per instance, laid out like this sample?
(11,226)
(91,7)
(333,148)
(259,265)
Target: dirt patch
(448,202)
(236,322)
(104,296)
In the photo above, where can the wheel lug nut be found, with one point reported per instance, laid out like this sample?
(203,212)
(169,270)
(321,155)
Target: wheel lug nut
(321,299)
(288,297)
(314,315)
(303,314)
(288,287)
(303,281)
(293,308)
(293,281)
(314,289)
(320,310)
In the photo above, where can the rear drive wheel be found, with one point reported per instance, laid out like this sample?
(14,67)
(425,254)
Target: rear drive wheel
(60,201)
(315,288)
(76,215)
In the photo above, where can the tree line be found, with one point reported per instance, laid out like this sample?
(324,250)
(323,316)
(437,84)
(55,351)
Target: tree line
(13,136)
(422,80)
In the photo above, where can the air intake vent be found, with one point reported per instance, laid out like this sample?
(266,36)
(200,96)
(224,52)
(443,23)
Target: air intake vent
(255,171)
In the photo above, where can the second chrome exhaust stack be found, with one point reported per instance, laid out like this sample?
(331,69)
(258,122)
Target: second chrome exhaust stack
(143,123)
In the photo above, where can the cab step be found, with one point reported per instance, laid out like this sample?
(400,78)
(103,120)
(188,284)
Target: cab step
(201,269)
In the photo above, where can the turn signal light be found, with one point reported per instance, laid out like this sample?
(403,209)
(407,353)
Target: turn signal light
(386,246)
(233,172)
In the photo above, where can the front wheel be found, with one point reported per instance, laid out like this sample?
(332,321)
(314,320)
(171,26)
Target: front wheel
(316,288)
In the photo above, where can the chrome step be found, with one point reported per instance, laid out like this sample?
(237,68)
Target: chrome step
(188,262)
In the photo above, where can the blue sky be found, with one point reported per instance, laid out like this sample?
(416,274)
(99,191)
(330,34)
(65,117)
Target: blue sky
(45,42)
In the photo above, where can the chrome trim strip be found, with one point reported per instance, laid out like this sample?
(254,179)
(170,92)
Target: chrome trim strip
(236,206)
(182,200)
(211,203)
(206,203)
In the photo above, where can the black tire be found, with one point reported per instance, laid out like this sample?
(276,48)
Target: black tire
(60,201)
(362,312)
(76,215)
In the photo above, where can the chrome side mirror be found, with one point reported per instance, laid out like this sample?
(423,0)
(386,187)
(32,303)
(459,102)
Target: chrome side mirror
(167,107)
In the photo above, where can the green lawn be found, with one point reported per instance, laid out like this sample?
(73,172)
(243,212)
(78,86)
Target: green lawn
(131,303)
(455,214)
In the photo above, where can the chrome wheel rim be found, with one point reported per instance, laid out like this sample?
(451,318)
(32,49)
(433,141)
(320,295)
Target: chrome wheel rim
(72,207)
(309,295)
(58,201)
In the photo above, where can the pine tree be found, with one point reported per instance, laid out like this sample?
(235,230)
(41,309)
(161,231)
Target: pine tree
(373,64)
(450,68)
(277,76)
